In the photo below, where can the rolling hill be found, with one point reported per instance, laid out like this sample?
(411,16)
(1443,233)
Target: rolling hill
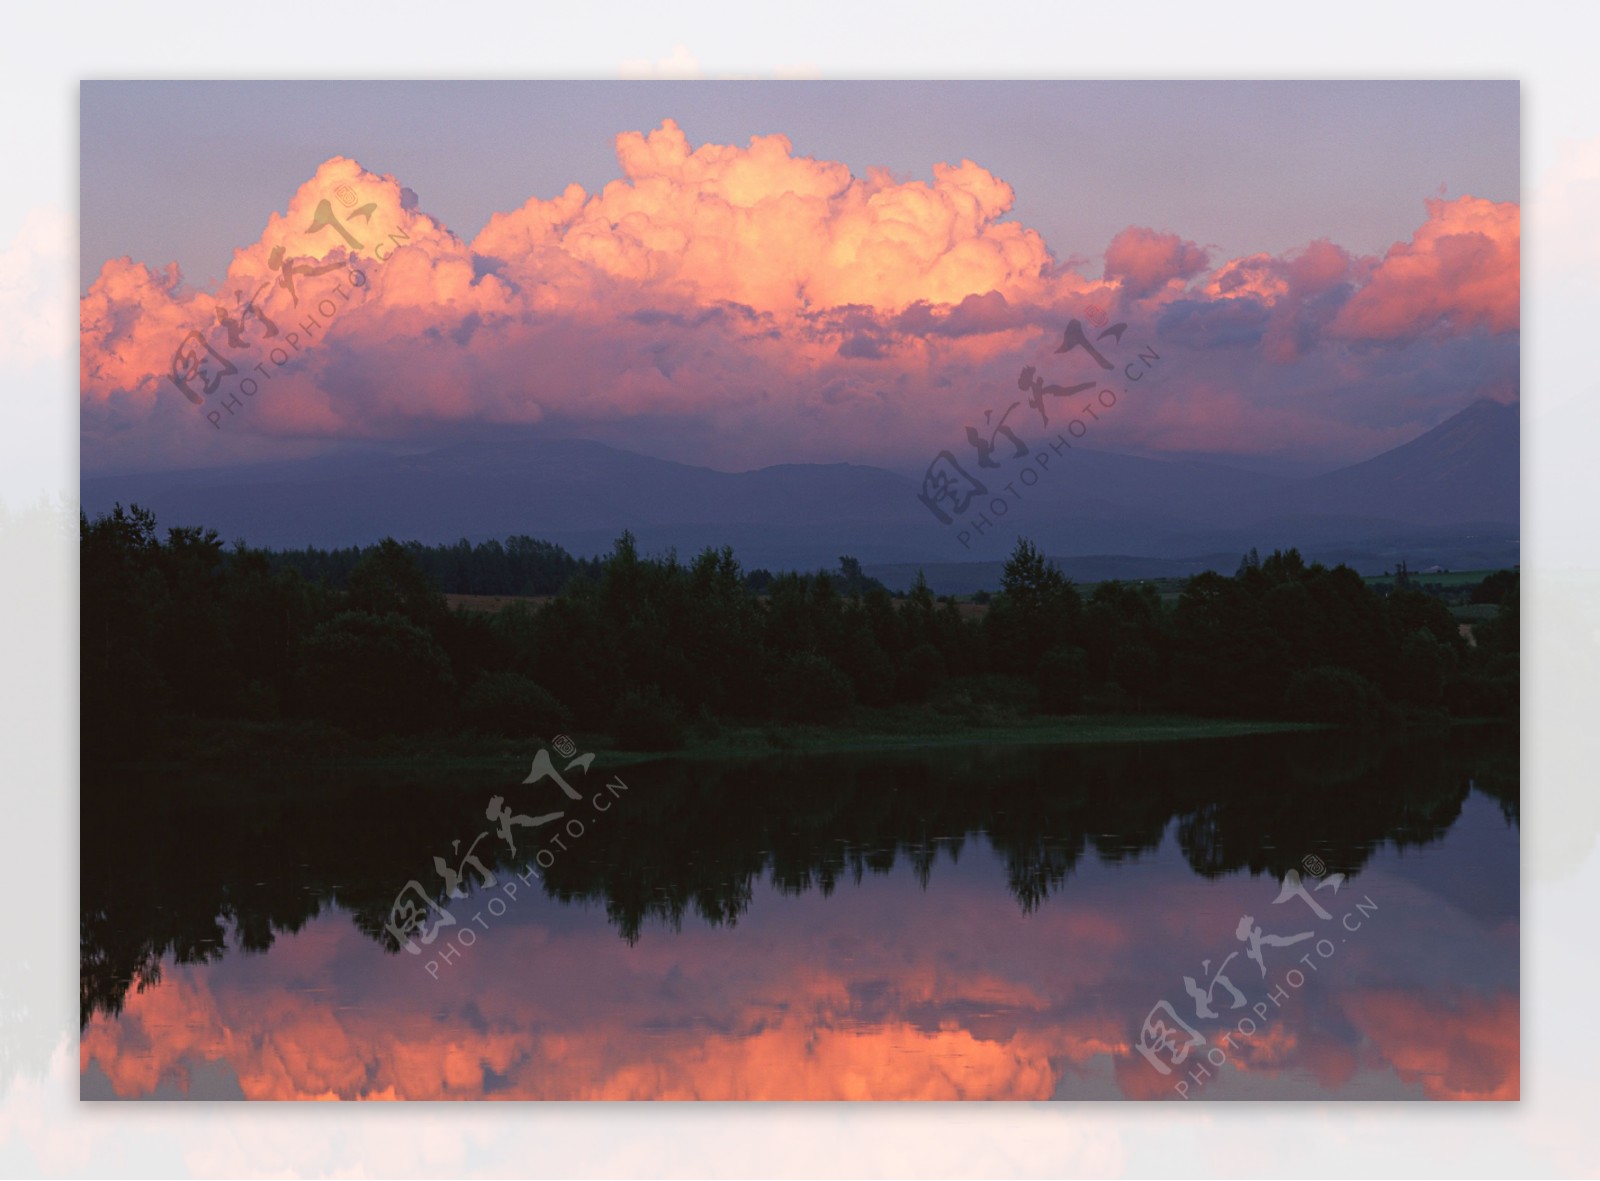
(1448,497)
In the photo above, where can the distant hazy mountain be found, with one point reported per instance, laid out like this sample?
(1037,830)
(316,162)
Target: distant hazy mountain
(1448,497)
(1459,547)
(1465,469)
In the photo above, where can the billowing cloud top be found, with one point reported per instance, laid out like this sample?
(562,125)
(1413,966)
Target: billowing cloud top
(777,233)
(1462,269)
(748,304)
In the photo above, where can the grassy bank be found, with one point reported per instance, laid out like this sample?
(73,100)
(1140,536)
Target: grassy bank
(890,731)
(257,745)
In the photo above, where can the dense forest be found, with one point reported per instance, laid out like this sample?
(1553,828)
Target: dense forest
(652,651)
(520,566)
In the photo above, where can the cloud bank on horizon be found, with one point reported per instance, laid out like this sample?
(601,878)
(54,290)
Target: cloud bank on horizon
(736,306)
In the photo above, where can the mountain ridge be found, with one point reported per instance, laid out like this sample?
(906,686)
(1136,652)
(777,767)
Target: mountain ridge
(581,494)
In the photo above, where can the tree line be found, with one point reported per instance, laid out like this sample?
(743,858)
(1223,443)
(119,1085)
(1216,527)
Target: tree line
(521,565)
(648,649)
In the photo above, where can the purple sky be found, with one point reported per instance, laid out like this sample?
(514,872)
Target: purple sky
(1244,225)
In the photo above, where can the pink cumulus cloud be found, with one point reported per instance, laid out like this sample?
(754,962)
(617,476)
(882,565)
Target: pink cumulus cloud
(1461,270)
(1146,262)
(776,306)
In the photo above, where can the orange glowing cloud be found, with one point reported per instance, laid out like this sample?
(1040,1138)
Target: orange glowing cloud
(1256,276)
(775,232)
(1461,269)
(1145,261)
(337,248)
(699,279)
(779,303)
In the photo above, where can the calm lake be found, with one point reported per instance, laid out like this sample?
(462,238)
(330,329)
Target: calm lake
(1000,922)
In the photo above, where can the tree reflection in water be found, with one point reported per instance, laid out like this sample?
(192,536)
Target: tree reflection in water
(169,867)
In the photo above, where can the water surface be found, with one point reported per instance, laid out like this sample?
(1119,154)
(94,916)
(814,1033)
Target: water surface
(996,923)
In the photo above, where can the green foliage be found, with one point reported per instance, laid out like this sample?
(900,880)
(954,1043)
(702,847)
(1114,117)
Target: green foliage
(1409,610)
(635,644)
(376,674)
(1236,643)
(1063,679)
(1483,694)
(646,720)
(1123,630)
(1488,685)
(1037,610)
(1501,636)
(1031,581)
(922,671)
(124,626)
(1331,694)
(511,705)
(389,580)
(853,582)
(520,565)
(985,699)
(1496,587)
(1137,669)
(1424,665)
(808,688)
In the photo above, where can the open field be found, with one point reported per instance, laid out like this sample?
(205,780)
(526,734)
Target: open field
(493,604)
(1448,579)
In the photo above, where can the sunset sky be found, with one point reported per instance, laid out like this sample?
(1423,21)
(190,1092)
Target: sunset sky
(738,274)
